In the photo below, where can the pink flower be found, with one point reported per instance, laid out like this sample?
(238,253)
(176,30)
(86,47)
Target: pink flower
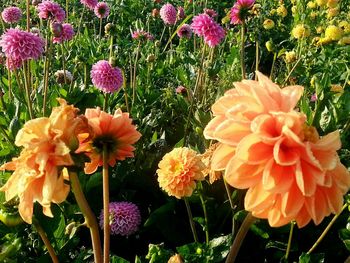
(101,10)
(11,14)
(142,35)
(313,97)
(105,77)
(13,64)
(67,34)
(51,10)
(168,14)
(180,13)
(205,26)
(239,10)
(89,3)
(185,31)
(210,12)
(21,45)
(125,218)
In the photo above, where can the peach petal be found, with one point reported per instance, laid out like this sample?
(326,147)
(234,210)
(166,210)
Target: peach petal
(305,178)
(258,199)
(231,132)
(284,155)
(221,156)
(290,97)
(277,178)
(292,202)
(303,217)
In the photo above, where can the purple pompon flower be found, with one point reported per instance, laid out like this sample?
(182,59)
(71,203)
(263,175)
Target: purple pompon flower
(205,26)
(13,64)
(11,14)
(21,45)
(105,77)
(240,10)
(51,10)
(180,13)
(101,10)
(185,31)
(125,218)
(67,34)
(168,14)
(142,35)
(210,12)
(90,4)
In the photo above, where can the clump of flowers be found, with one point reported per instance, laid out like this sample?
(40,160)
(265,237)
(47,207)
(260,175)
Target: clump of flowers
(63,77)
(300,31)
(168,14)
(90,4)
(240,10)
(125,218)
(101,10)
(142,35)
(179,171)
(205,26)
(67,34)
(11,14)
(291,173)
(51,10)
(116,131)
(185,31)
(291,56)
(105,77)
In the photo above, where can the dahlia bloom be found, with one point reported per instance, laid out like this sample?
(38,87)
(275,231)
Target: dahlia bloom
(101,10)
(105,77)
(125,218)
(179,171)
(239,10)
(11,14)
(21,45)
(90,4)
(291,173)
(205,26)
(142,35)
(168,14)
(180,13)
(67,34)
(185,31)
(47,143)
(13,64)
(116,131)
(63,77)
(51,10)
(210,12)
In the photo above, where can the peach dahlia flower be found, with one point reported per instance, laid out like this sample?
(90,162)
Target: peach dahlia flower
(37,172)
(116,131)
(266,147)
(179,171)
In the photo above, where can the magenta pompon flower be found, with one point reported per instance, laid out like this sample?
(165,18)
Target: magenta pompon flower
(240,10)
(125,218)
(51,10)
(180,13)
(210,12)
(105,77)
(185,31)
(168,14)
(13,64)
(142,35)
(101,10)
(67,34)
(205,26)
(11,14)
(90,4)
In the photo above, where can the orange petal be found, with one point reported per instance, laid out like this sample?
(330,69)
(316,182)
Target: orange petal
(221,156)
(277,178)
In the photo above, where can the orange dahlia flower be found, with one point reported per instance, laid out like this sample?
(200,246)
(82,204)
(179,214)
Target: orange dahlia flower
(266,147)
(116,131)
(178,172)
(37,171)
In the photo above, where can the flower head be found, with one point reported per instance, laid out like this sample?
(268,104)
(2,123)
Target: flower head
(20,45)
(89,3)
(268,24)
(101,10)
(205,26)
(63,77)
(185,31)
(334,32)
(125,218)
(142,35)
(266,147)
(13,64)
(67,34)
(180,13)
(168,14)
(105,77)
(51,10)
(210,12)
(300,31)
(179,171)
(11,14)
(240,10)
(116,131)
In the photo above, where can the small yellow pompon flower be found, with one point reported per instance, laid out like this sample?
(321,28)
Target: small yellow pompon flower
(337,88)
(321,2)
(334,33)
(344,41)
(313,15)
(179,172)
(332,3)
(332,12)
(268,24)
(319,30)
(345,25)
(290,56)
(294,9)
(311,5)
(300,31)
(282,11)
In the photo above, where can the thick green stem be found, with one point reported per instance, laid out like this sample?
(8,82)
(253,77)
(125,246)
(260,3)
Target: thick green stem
(242,49)
(106,225)
(105,101)
(90,219)
(100,30)
(190,218)
(292,224)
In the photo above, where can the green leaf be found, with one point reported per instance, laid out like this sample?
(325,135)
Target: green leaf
(159,212)
(312,258)
(116,259)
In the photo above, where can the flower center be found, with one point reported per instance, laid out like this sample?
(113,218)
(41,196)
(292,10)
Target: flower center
(108,140)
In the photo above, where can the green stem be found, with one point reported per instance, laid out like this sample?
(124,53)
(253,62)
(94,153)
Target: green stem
(228,191)
(242,232)
(67,11)
(242,50)
(105,101)
(9,77)
(86,76)
(26,86)
(106,225)
(80,20)
(190,218)
(111,47)
(100,31)
(205,215)
(291,71)
(318,241)
(273,65)
(64,65)
(46,66)
(134,76)
(28,14)
(89,216)
(292,224)
(256,58)
(2,130)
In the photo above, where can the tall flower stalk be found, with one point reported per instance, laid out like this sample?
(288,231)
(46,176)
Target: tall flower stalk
(106,224)
(242,53)
(47,65)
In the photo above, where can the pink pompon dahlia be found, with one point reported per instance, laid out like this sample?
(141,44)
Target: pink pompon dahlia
(11,14)
(21,45)
(265,146)
(185,31)
(142,35)
(13,64)
(240,10)
(51,10)
(168,14)
(105,77)
(67,34)
(205,26)
(101,10)
(89,3)
(125,218)
(180,13)
(210,12)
